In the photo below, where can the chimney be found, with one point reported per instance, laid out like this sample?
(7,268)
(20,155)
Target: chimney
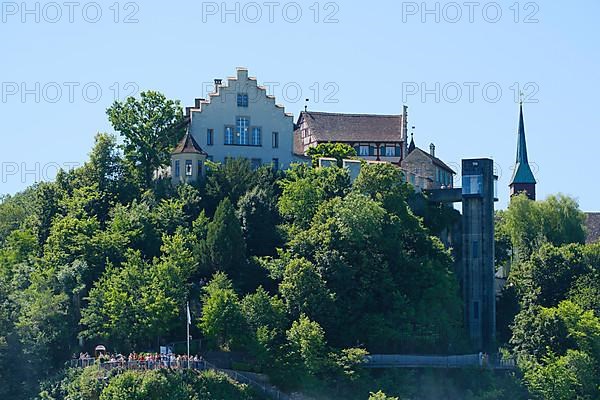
(432,149)
(218,83)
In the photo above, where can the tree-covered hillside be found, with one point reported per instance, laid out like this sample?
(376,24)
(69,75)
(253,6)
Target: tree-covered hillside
(303,272)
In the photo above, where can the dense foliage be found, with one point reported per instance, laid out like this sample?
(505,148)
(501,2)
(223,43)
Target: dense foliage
(95,384)
(551,300)
(304,272)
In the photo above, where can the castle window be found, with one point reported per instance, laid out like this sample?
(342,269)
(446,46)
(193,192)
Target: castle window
(228,135)
(242,99)
(177,169)
(276,163)
(256,136)
(210,137)
(242,126)
(199,168)
(275,140)
(188,168)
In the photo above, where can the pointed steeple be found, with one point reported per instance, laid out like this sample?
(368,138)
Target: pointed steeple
(411,146)
(188,145)
(522,145)
(522,179)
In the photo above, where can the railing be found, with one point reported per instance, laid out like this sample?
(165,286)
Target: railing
(241,378)
(138,365)
(446,362)
(167,363)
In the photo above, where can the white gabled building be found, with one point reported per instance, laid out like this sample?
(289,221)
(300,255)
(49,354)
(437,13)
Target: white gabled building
(240,119)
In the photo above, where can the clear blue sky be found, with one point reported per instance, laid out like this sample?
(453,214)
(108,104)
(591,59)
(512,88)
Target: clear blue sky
(371,58)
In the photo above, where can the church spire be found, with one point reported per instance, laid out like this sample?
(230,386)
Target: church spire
(522,145)
(522,180)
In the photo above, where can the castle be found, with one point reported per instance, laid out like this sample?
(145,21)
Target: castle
(241,120)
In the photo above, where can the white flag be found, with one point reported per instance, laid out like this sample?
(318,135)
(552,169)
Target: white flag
(189,315)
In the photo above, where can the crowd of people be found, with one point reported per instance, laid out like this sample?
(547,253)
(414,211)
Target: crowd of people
(140,361)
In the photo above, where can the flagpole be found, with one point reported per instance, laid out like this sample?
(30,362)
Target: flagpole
(188,334)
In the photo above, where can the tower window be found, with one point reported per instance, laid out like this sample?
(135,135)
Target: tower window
(210,137)
(275,140)
(177,169)
(189,168)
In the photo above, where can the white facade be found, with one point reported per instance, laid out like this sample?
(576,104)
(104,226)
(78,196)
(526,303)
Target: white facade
(241,120)
(187,167)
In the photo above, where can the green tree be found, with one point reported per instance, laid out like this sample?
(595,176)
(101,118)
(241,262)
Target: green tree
(133,226)
(230,180)
(585,292)
(540,331)
(259,217)
(304,291)
(151,127)
(114,312)
(45,208)
(571,376)
(44,328)
(14,211)
(529,224)
(225,248)
(307,342)
(562,220)
(222,317)
(385,184)
(304,188)
(262,310)
(369,257)
(381,396)
(550,273)
(339,151)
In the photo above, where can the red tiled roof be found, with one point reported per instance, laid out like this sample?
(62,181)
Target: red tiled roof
(188,145)
(331,127)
